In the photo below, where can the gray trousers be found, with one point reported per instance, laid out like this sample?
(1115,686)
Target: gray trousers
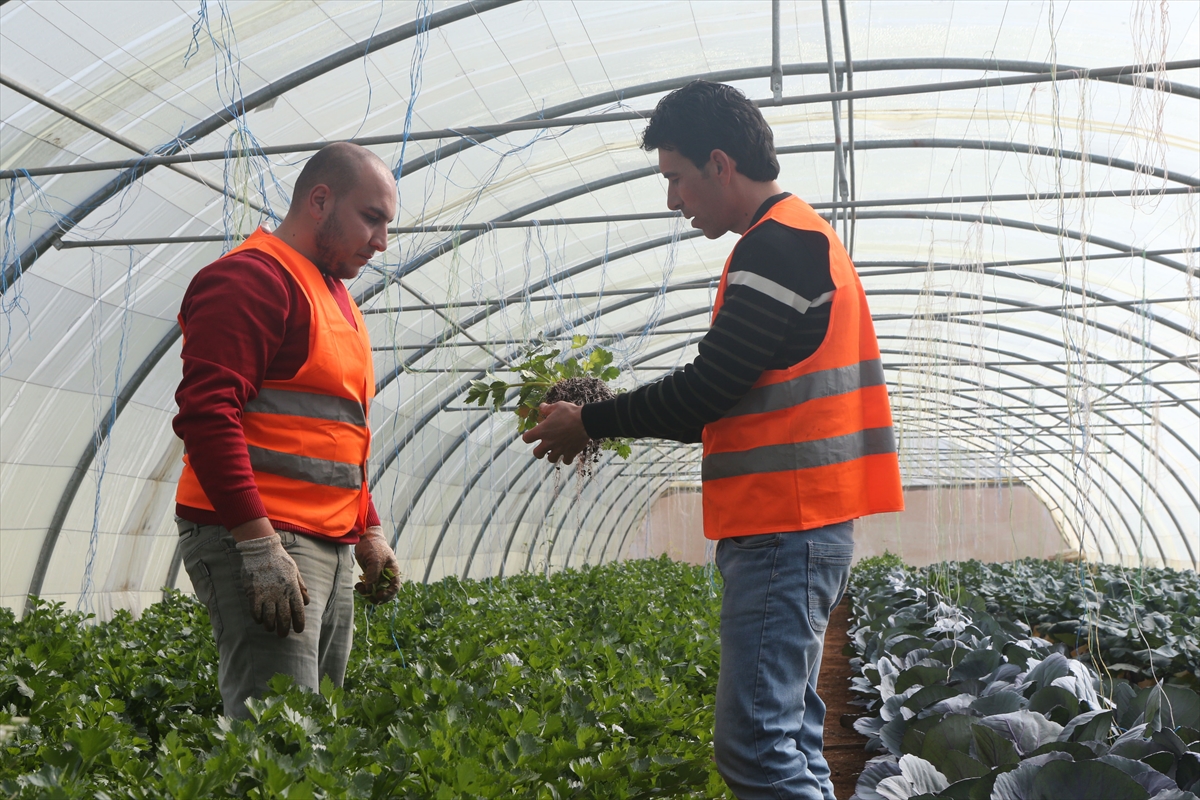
(249,654)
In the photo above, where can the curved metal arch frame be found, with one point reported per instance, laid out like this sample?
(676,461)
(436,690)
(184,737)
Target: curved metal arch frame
(504,493)
(475,478)
(1026,416)
(668,452)
(437,544)
(1029,467)
(438,19)
(1010,393)
(642,510)
(75,481)
(239,109)
(394,454)
(484,314)
(790,70)
(622,177)
(624,468)
(1022,333)
(649,356)
(449,398)
(1003,274)
(1034,409)
(474,319)
(1037,473)
(616,503)
(644,172)
(512,533)
(432,414)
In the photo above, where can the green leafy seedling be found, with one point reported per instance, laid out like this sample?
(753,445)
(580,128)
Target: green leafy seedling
(538,374)
(385,578)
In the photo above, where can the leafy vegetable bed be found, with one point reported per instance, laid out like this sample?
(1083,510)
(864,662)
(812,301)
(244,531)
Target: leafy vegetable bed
(1143,622)
(597,683)
(966,703)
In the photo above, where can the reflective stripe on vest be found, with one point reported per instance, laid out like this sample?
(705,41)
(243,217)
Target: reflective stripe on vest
(302,468)
(826,383)
(307,404)
(799,455)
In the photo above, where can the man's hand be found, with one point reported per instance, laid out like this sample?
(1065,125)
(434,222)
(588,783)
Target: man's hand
(561,432)
(274,587)
(375,557)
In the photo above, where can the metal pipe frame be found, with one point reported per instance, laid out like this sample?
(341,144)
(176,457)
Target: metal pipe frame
(657,215)
(504,493)
(295,79)
(474,479)
(844,17)
(1030,227)
(50,540)
(429,416)
(1009,393)
(841,186)
(1039,472)
(629,529)
(616,503)
(215,122)
(1123,250)
(670,451)
(546,123)
(1124,428)
(1021,308)
(438,250)
(1080,509)
(462,387)
(113,136)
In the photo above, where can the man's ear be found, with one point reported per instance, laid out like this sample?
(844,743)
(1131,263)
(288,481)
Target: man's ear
(319,200)
(723,166)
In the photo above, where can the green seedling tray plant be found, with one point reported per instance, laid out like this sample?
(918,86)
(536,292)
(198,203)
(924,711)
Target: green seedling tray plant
(579,376)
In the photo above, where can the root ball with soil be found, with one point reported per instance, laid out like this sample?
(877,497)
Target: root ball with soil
(581,391)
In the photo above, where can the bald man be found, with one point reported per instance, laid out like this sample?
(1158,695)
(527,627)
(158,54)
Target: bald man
(273,506)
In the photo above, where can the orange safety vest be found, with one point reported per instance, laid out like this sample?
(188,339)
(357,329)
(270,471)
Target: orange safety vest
(308,436)
(813,444)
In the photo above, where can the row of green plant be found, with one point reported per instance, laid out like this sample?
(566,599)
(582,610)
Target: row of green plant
(963,701)
(597,683)
(1137,623)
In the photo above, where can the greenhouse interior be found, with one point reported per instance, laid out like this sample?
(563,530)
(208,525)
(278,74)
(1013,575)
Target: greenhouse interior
(1026,175)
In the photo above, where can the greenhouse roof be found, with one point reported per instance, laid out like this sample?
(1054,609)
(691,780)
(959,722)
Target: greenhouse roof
(1016,182)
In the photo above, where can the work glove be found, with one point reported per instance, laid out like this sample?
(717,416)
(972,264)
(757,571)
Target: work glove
(274,587)
(380,579)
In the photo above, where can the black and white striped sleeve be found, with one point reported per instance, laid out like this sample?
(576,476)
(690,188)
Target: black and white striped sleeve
(774,278)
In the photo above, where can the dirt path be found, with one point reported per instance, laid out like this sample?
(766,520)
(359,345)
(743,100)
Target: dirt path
(843,746)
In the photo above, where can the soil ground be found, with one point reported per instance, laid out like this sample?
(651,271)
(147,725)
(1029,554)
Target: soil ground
(843,746)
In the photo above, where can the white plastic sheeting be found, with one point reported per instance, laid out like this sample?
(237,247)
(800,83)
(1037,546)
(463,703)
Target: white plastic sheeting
(1031,332)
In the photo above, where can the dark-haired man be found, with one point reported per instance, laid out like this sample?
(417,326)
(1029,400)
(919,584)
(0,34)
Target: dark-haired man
(787,395)
(277,383)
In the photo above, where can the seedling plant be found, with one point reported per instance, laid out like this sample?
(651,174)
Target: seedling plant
(576,377)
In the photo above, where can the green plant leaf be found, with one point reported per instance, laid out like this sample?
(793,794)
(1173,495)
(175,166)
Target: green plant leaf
(992,749)
(1067,780)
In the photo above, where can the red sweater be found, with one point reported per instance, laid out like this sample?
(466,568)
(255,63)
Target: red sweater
(247,321)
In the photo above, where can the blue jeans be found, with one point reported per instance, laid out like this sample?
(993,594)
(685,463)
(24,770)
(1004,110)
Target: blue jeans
(779,591)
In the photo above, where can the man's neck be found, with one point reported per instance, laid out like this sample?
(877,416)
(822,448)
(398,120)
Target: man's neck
(751,196)
(293,238)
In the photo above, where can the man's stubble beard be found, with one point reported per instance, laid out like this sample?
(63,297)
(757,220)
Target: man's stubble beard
(329,235)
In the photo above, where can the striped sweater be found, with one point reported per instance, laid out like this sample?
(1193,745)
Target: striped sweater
(776,313)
